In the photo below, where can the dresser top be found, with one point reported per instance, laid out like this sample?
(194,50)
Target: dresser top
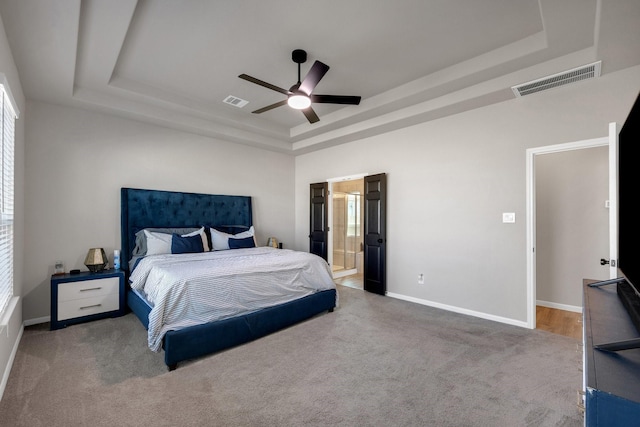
(606,320)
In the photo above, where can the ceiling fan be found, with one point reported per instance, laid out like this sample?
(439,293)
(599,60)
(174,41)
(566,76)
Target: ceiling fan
(300,95)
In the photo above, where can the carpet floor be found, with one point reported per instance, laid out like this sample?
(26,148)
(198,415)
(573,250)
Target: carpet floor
(374,361)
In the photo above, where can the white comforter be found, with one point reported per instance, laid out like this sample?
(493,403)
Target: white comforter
(191,289)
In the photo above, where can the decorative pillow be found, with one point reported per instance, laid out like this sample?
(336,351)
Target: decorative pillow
(141,237)
(246,242)
(159,242)
(186,244)
(220,240)
(203,235)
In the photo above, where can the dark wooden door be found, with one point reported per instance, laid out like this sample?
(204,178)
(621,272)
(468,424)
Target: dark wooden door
(375,199)
(318,241)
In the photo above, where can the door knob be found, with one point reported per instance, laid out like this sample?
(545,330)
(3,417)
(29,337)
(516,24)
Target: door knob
(379,240)
(604,261)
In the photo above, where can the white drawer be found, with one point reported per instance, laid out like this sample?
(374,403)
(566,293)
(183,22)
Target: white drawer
(87,306)
(88,289)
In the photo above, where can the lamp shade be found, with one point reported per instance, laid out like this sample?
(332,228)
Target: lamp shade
(96,260)
(273,242)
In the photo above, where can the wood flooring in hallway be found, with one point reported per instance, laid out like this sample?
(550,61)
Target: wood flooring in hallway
(561,322)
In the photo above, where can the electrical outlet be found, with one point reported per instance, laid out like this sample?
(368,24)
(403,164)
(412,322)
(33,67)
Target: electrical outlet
(420,279)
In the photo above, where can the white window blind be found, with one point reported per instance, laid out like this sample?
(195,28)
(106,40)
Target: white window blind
(7,124)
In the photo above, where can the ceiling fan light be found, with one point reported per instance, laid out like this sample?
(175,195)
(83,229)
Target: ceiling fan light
(299,102)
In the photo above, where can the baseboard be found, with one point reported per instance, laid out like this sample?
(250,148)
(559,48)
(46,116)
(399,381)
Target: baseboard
(37,321)
(558,306)
(460,310)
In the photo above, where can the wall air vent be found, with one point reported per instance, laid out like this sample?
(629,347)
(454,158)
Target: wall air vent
(235,101)
(564,78)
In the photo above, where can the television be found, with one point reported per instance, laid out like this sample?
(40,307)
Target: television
(628,282)
(628,214)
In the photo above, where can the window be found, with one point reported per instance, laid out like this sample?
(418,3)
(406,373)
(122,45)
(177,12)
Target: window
(7,136)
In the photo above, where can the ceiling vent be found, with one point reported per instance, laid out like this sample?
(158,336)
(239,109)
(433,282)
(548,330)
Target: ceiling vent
(235,101)
(564,78)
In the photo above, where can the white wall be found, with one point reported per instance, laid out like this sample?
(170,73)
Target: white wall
(10,336)
(77,161)
(449,181)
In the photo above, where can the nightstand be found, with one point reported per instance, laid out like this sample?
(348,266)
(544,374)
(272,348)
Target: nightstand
(77,298)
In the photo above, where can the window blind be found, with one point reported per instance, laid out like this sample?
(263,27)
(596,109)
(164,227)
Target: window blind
(7,122)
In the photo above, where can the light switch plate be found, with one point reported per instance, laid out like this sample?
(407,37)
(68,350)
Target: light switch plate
(509,217)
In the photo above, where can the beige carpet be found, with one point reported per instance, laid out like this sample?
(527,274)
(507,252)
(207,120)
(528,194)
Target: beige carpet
(375,361)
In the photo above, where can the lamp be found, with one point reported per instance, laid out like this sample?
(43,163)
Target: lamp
(273,242)
(299,100)
(96,260)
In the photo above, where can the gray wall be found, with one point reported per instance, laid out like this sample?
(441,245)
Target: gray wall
(449,180)
(77,161)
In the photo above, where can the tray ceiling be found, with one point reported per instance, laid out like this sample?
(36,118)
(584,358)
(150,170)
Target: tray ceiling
(173,63)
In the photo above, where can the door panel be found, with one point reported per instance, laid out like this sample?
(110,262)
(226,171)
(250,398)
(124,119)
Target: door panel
(375,188)
(318,219)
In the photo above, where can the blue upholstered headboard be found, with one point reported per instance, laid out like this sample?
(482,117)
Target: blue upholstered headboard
(159,209)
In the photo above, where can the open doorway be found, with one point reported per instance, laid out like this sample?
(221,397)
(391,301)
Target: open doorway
(562,218)
(368,229)
(572,233)
(347,232)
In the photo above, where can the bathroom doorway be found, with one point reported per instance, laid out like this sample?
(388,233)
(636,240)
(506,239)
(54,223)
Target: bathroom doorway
(347,231)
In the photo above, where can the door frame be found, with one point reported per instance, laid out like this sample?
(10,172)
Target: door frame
(611,141)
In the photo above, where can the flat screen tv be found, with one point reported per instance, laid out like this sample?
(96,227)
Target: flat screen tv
(628,210)
(628,284)
(629,196)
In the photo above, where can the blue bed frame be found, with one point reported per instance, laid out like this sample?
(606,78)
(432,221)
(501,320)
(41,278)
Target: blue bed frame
(142,208)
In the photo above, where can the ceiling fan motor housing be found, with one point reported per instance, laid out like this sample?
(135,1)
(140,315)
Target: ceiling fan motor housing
(299,56)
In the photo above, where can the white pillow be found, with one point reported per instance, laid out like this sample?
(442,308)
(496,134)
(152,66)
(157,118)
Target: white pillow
(203,235)
(158,243)
(220,240)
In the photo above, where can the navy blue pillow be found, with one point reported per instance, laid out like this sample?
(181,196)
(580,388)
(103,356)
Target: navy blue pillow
(247,242)
(186,245)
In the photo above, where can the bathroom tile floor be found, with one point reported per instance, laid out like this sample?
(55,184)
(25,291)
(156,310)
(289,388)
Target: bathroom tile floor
(352,281)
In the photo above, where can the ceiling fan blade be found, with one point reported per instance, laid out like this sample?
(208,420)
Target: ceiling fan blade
(264,84)
(270,107)
(335,99)
(311,115)
(317,72)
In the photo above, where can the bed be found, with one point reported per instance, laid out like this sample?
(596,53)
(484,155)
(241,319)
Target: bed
(145,212)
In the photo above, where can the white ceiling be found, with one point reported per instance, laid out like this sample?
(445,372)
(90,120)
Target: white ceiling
(173,62)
